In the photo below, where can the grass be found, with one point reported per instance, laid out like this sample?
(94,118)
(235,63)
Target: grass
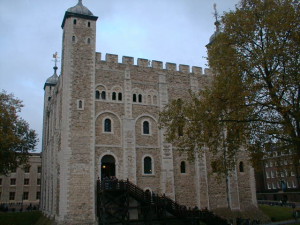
(19,218)
(277,213)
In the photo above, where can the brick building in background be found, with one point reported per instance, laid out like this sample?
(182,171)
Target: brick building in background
(22,186)
(278,179)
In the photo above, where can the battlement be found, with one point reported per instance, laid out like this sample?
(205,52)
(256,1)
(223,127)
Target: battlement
(127,60)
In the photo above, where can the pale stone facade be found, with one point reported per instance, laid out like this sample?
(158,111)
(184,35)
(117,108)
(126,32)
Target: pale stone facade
(99,109)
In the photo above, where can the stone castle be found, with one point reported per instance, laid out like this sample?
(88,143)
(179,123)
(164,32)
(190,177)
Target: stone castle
(101,119)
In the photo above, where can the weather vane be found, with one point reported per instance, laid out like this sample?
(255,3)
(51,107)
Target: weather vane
(217,23)
(55,57)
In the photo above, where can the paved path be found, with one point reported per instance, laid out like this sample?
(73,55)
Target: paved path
(284,222)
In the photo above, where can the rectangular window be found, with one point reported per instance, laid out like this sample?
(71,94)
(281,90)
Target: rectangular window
(273,186)
(38,195)
(25,195)
(278,185)
(267,175)
(12,195)
(26,181)
(294,185)
(38,181)
(39,169)
(292,173)
(27,169)
(0,181)
(13,181)
(269,186)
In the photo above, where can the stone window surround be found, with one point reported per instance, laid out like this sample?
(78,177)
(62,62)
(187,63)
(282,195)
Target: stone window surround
(241,167)
(152,165)
(117,90)
(185,167)
(108,152)
(142,127)
(78,104)
(111,124)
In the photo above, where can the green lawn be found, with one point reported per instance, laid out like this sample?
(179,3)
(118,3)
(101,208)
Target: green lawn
(277,213)
(19,218)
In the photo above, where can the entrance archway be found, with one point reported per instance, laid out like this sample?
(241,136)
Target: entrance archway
(108,166)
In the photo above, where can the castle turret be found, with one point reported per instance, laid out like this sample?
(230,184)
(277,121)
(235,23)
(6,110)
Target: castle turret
(76,158)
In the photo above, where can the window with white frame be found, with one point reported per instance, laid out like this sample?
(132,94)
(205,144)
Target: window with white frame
(272,174)
(273,186)
(269,185)
(267,174)
(294,185)
(292,173)
(278,185)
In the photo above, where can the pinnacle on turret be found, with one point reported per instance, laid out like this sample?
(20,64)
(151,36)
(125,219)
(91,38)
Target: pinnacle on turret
(52,81)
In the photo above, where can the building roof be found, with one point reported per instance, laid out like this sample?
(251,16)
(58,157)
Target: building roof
(80,9)
(52,81)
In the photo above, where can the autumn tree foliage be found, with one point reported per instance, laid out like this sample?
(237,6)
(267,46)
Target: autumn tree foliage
(254,98)
(16,138)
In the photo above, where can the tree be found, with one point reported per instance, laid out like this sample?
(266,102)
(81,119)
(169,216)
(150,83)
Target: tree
(16,138)
(254,98)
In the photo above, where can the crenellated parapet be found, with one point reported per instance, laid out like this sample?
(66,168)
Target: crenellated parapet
(127,60)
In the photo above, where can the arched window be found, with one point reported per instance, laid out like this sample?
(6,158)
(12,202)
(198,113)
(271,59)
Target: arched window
(146,127)
(134,98)
(182,167)
(140,98)
(149,99)
(89,24)
(241,167)
(73,38)
(103,95)
(154,100)
(97,95)
(107,125)
(114,96)
(120,96)
(74,21)
(180,131)
(80,104)
(147,165)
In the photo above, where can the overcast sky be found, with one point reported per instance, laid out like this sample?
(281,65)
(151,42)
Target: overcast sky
(165,30)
